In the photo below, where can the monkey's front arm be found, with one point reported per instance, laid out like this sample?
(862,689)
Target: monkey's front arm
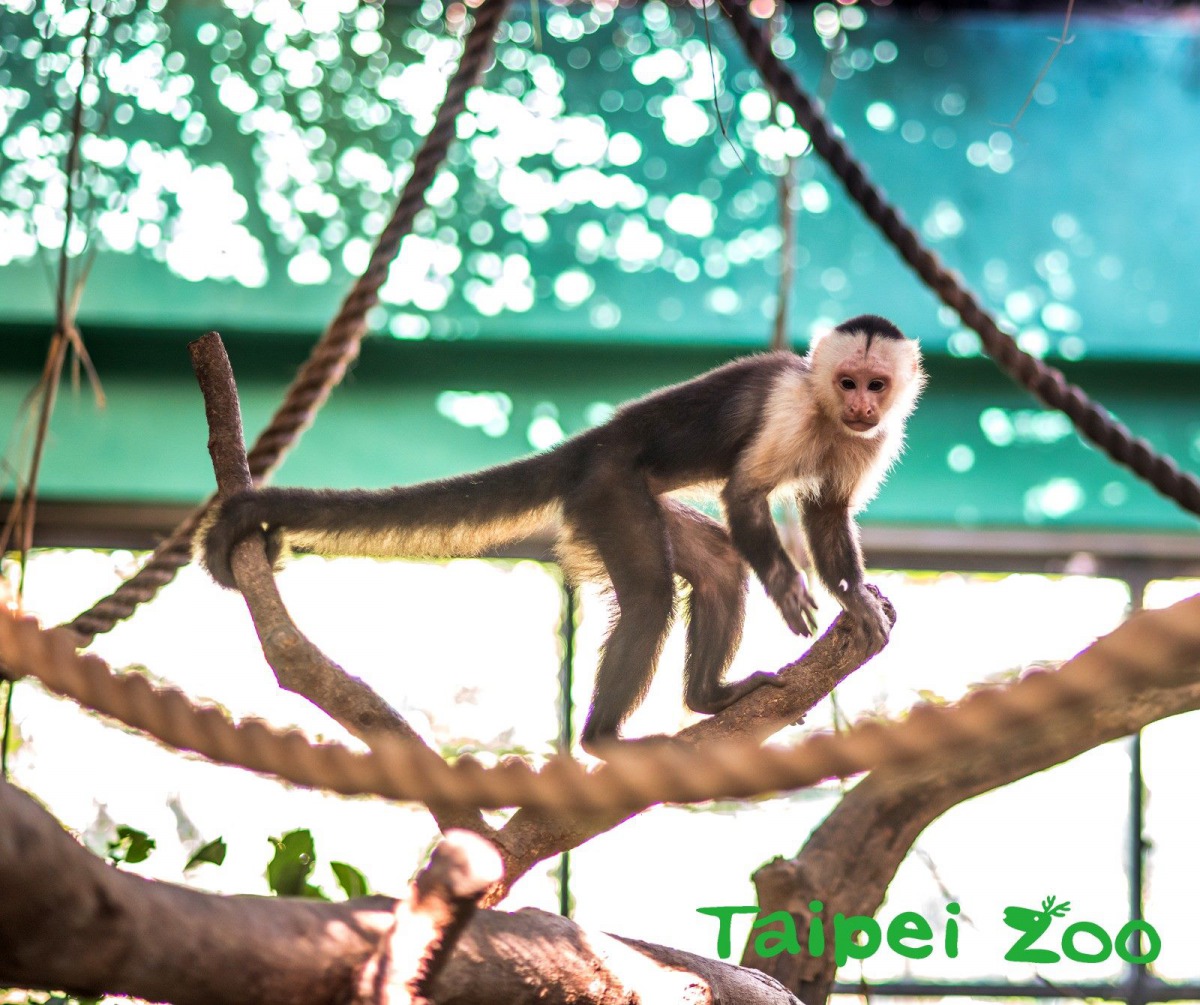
(752,528)
(833,545)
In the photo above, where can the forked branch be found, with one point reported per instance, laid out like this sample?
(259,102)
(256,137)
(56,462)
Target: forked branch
(298,664)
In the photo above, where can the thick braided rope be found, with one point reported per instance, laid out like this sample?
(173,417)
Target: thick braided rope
(337,348)
(1152,649)
(1045,382)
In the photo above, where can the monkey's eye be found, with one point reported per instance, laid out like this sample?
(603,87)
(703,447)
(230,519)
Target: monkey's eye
(847,384)
(876,386)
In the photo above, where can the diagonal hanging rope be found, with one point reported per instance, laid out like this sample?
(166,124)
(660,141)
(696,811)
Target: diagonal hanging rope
(337,348)
(1093,422)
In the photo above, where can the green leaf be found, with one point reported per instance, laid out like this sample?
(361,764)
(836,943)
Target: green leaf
(131,846)
(16,739)
(213,852)
(353,882)
(288,871)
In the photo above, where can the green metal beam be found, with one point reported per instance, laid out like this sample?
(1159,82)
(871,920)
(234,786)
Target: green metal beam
(980,453)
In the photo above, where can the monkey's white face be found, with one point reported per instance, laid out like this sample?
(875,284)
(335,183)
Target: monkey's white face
(863,390)
(860,387)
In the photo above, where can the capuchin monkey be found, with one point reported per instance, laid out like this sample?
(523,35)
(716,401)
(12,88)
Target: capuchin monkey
(826,426)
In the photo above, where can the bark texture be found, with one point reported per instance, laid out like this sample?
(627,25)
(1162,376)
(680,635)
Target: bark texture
(71,921)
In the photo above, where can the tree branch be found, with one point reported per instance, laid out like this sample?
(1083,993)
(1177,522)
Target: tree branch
(71,921)
(851,858)
(299,665)
(534,835)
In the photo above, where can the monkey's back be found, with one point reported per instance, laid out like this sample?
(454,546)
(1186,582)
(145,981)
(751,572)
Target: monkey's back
(693,431)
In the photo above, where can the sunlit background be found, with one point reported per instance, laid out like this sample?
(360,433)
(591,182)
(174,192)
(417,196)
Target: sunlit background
(609,221)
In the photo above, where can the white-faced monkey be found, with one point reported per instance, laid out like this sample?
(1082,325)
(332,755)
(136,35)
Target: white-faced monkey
(827,425)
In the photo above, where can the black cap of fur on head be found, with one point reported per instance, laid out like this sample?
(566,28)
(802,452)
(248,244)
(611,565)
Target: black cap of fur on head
(872,326)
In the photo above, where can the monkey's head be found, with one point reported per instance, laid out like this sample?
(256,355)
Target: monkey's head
(867,375)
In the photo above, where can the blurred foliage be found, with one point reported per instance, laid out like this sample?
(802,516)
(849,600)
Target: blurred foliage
(353,883)
(615,182)
(212,853)
(130,846)
(295,858)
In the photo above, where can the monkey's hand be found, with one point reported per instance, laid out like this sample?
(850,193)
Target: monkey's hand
(789,590)
(870,620)
(224,527)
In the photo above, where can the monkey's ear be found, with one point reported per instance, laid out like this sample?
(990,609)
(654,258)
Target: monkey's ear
(915,356)
(820,336)
(819,345)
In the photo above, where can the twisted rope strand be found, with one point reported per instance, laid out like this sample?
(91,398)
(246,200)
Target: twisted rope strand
(337,348)
(1152,649)
(1048,384)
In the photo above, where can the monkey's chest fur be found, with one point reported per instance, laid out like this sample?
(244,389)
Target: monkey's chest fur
(797,447)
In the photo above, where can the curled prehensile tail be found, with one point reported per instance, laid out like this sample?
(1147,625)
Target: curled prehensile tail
(449,518)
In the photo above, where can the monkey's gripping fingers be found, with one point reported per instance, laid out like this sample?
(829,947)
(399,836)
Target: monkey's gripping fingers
(870,621)
(795,602)
(226,525)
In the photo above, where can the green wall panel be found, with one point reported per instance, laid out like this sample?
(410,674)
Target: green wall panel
(980,453)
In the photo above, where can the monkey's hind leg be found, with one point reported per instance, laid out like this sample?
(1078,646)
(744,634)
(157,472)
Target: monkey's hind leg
(613,513)
(705,556)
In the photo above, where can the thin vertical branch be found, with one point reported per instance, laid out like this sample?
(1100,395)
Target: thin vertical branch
(72,172)
(785,193)
(712,68)
(793,539)
(66,334)
(1063,40)
(6,736)
(787,254)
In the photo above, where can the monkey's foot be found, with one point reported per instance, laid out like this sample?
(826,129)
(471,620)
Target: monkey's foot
(603,746)
(730,694)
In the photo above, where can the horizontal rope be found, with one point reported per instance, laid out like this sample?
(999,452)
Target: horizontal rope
(1159,648)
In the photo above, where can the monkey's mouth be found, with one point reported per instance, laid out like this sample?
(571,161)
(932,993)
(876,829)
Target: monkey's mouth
(859,425)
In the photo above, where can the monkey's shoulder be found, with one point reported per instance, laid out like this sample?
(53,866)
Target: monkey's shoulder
(698,427)
(742,381)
